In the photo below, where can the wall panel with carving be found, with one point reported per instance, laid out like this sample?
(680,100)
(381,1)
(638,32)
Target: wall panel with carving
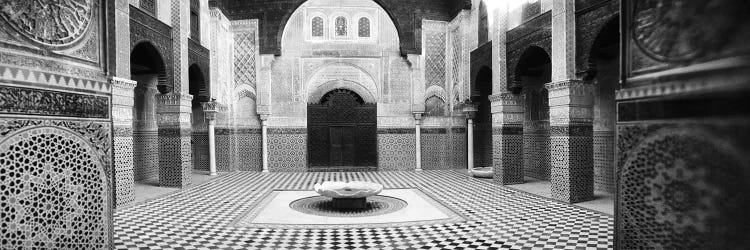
(682,141)
(55,126)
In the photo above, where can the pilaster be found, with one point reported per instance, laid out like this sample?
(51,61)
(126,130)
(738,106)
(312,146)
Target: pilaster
(122,123)
(571,140)
(175,151)
(507,137)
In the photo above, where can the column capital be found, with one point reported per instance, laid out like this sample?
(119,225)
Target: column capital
(263,117)
(570,101)
(174,99)
(210,109)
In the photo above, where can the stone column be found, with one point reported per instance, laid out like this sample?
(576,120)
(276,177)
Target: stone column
(122,123)
(571,140)
(175,152)
(418,139)
(507,138)
(570,103)
(210,109)
(264,140)
(470,110)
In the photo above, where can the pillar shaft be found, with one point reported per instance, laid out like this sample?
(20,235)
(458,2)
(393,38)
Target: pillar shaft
(418,141)
(507,138)
(571,141)
(122,122)
(264,140)
(470,144)
(175,132)
(211,147)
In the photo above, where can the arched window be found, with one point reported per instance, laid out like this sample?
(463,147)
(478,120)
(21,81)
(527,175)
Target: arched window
(317,27)
(340,26)
(364,27)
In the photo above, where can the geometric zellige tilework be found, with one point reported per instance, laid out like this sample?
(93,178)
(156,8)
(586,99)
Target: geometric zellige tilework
(53,192)
(175,157)
(572,174)
(435,59)
(396,152)
(124,175)
(250,149)
(287,152)
(224,160)
(536,150)
(604,161)
(145,156)
(244,58)
(459,150)
(200,151)
(436,151)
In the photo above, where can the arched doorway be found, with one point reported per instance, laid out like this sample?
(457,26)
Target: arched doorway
(533,72)
(604,74)
(342,133)
(483,120)
(198,88)
(148,70)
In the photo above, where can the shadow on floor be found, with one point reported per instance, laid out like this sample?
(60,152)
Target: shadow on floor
(603,202)
(150,189)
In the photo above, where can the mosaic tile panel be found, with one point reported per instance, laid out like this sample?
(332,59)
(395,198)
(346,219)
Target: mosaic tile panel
(497,217)
(250,148)
(439,148)
(396,149)
(200,151)
(287,149)
(55,190)
(536,151)
(571,157)
(604,161)
(124,171)
(459,149)
(224,157)
(482,145)
(683,186)
(175,157)
(145,156)
(508,154)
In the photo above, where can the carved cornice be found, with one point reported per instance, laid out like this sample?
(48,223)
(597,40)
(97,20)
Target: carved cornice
(174,99)
(14,100)
(571,87)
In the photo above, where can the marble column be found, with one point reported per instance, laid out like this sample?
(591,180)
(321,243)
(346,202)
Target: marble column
(122,123)
(470,111)
(175,131)
(418,139)
(264,140)
(507,137)
(210,109)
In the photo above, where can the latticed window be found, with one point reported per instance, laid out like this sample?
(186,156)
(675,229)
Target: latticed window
(340,26)
(317,27)
(364,27)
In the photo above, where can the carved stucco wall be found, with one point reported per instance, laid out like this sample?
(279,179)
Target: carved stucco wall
(55,127)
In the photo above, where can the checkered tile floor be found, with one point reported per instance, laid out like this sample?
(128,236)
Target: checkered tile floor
(199,217)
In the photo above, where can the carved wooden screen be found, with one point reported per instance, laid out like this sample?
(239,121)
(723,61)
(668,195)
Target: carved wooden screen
(342,133)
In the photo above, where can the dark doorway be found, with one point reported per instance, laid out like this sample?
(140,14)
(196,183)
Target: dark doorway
(483,119)
(533,72)
(342,133)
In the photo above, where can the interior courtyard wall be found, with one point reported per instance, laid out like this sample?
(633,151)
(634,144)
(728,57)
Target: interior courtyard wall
(696,146)
(310,67)
(56,125)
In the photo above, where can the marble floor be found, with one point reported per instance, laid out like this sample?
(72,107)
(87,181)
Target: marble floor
(150,189)
(602,202)
(495,217)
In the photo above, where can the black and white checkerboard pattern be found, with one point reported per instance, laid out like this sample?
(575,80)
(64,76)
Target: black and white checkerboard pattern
(199,217)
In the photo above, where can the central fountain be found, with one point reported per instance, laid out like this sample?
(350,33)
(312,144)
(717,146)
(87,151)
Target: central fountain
(348,195)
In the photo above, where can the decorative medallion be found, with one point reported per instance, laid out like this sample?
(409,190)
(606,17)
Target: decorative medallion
(323,206)
(679,30)
(51,23)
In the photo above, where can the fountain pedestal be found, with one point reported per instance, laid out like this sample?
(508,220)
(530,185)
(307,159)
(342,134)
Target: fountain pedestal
(350,203)
(348,195)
